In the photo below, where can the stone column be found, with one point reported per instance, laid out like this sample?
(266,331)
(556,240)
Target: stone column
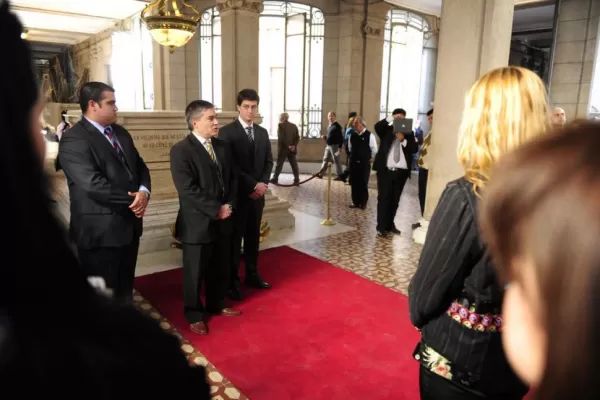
(574,55)
(474,39)
(239,38)
(350,62)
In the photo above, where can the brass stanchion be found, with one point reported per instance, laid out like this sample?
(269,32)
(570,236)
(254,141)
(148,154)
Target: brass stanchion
(327,221)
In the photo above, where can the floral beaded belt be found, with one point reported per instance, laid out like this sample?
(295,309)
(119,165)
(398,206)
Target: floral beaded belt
(467,317)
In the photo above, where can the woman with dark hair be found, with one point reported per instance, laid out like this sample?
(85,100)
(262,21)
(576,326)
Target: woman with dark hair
(540,216)
(57,335)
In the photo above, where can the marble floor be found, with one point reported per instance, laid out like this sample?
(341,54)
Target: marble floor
(351,244)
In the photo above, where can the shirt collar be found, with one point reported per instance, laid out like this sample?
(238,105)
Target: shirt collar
(363,131)
(201,139)
(97,125)
(244,124)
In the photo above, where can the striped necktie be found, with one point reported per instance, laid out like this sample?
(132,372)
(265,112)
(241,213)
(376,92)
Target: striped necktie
(249,134)
(423,152)
(211,152)
(109,134)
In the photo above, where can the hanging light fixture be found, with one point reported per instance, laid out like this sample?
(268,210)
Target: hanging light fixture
(171,23)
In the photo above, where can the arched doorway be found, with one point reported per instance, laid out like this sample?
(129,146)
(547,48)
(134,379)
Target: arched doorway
(402,58)
(291,48)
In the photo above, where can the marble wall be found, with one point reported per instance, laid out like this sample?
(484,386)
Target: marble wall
(574,56)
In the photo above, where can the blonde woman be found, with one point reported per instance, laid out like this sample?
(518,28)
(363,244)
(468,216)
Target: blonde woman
(455,298)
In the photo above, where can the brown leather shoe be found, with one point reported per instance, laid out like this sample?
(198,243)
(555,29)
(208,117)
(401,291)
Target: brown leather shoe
(199,327)
(230,312)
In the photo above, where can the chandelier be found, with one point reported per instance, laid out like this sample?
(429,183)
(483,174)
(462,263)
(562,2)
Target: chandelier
(172,23)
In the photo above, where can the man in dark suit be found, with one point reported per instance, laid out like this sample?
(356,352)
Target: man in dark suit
(109,188)
(251,149)
(206,181)
(288,138)
(392,163)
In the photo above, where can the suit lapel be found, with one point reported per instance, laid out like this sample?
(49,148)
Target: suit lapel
(219,152)
(201,150)
(99,140)
(126,148)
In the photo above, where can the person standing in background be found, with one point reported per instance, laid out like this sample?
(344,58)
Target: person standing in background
(349,130)
(423,168)
(288,138)
(559,118)
(251,150)
(334,141)
(363,147)
(392,164)
(109,189)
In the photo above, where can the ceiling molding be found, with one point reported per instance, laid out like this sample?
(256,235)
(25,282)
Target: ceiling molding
(62,13)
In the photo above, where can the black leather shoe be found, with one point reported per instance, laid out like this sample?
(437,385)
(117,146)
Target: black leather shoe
(395,231)
(255,281)
(235,292)
(382,234)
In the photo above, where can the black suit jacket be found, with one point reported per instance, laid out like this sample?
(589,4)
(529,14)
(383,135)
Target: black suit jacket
(98,184)
(386,138)
(203,187)
(335,134)
(250,173)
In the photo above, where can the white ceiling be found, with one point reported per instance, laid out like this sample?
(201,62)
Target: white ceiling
(434,7)
(71,21)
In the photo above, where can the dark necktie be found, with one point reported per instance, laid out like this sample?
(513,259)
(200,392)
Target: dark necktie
(109,134)
(249,134)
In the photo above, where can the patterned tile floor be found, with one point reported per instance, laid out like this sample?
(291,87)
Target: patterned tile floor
(390,262)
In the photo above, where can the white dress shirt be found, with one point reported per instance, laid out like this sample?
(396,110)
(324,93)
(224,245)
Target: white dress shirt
(101,128)
(245,126)
(401,164)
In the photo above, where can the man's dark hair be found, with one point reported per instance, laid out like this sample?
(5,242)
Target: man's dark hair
(92,91)
(399,111)
(430,112)
(247,94)
(352,114)
(195,109)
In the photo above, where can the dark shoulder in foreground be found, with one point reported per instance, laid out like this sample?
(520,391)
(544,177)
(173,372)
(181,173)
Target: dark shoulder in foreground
(179,146)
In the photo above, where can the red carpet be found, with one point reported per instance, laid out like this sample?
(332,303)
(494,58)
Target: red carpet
(320,333)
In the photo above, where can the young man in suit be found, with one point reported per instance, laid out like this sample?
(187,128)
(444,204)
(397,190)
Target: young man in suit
(206,181)
(392,163)
(251,149)
(109,189)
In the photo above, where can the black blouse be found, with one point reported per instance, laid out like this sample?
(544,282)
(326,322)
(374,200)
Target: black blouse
(454,266)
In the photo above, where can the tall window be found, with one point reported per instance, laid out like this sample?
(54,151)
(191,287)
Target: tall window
(291,45)
(131,68)
(402,57)
(210,58)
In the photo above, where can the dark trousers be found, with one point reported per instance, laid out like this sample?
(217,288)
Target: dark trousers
(115,264)
(208,264)
(360,172)
(423,174)
(389,186)
(346,173)
(247,218)
(282,155)
(434,387)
